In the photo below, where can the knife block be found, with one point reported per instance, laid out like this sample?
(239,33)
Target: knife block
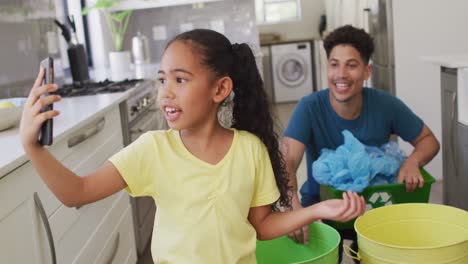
(78,63)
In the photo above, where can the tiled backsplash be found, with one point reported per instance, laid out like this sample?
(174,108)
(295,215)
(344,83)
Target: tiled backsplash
(234,18)
(28,36)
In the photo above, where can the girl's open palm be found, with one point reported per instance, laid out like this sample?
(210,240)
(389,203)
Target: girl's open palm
(343,210)
(32,118)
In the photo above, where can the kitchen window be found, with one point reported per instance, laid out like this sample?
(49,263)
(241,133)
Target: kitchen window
(277,11)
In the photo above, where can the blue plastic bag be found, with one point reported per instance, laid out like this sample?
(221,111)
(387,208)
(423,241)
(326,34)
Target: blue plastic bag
(354,166)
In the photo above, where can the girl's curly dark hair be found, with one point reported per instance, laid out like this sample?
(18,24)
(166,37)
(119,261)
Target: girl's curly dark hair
(349,35)
(251,109)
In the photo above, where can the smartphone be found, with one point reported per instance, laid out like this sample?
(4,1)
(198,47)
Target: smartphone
(45,135)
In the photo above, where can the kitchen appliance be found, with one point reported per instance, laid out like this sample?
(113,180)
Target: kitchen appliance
(267,73)
(92,88)
(140,49)
(454,84)
(292,71)
(320,65)
(378,22)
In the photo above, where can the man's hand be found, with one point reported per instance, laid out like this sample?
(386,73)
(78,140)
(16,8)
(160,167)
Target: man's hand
(410,174)
(426,147)
(300,235)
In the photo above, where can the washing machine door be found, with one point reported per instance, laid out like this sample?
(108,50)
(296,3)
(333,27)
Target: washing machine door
(292,70)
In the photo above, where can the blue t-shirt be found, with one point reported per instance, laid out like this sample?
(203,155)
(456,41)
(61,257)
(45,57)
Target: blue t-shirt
(318,126)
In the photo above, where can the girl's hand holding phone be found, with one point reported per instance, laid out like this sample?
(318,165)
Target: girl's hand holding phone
(32,118)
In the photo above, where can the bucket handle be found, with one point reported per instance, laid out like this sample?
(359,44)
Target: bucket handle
(349,251)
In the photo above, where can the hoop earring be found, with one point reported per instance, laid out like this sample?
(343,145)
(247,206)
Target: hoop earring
(229,99)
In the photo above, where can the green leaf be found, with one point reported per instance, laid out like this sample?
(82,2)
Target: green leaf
(85,11)
(117,22)
(100,5)
(120,16)
(104,4)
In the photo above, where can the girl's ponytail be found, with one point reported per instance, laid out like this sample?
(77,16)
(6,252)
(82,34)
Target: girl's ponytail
(251,112)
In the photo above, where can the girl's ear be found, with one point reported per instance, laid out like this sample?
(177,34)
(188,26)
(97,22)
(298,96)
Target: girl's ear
(224,87)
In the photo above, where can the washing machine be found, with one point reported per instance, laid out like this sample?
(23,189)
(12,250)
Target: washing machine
(292,71)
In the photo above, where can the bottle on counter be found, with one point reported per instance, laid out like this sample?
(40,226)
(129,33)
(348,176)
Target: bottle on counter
(140,49)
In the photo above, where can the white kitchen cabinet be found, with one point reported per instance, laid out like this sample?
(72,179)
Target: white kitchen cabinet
(25,237)
(113,240)
(119,247)
(17,230)
(145,4)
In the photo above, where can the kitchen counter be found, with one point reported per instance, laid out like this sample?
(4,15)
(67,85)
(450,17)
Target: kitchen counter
(284,41)
(141,71)
(460,63)
(74,111)
(449,61)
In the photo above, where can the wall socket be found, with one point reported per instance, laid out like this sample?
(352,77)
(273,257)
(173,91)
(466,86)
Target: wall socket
(159,32)
(185,27)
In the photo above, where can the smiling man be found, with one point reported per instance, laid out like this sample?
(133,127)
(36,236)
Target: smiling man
(371,115)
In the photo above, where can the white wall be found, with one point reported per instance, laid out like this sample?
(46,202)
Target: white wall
(426,28)
(307,28)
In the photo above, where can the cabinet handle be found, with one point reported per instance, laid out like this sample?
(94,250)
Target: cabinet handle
(45,221)
(452,134)
(91,131)
(114,250)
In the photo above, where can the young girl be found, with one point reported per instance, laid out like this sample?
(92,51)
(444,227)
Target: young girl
(215,187)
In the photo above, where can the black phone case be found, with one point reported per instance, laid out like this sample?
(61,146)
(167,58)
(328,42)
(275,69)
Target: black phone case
(46,133)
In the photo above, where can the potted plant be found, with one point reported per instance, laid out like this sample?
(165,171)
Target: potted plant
(117,22)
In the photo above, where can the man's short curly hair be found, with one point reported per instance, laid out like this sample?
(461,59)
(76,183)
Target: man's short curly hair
(350,35)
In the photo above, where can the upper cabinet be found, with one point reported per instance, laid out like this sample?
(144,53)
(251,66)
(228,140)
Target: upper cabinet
(145,4)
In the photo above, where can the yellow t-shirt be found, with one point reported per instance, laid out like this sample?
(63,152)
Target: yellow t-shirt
(202,208)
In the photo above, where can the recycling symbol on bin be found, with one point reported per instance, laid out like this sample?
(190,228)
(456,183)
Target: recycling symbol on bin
(378,199)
